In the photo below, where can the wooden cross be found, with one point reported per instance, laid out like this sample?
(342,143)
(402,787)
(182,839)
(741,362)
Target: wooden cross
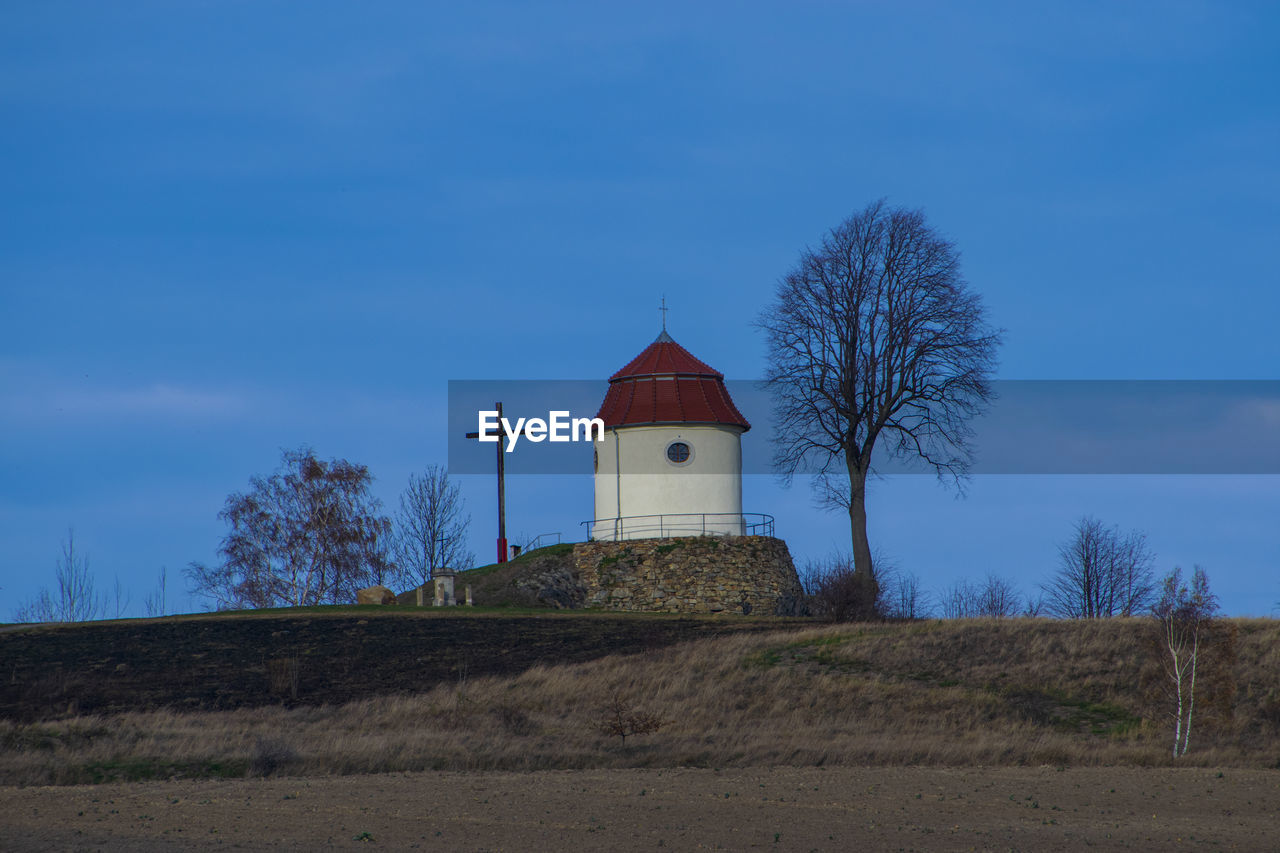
(502,490)
(502,482)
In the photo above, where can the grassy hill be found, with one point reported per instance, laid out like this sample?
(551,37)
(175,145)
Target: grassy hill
(542,578)
(935,693)
(518,582)
(304,656)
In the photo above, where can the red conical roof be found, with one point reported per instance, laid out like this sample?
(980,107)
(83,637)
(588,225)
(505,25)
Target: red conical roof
(665,357)
(665,384)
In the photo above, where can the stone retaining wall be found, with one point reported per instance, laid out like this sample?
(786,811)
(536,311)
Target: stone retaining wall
(703,574)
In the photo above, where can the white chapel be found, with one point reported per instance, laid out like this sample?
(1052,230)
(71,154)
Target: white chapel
(670,463)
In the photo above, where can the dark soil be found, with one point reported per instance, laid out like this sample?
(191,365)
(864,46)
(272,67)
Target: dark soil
(310,657)
(776,808)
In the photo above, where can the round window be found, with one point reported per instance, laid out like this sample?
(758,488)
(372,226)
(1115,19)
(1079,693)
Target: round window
(679,452)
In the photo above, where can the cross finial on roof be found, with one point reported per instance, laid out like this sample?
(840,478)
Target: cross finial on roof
(664,309)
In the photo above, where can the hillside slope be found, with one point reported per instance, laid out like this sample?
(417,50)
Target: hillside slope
(955,693)
(321,655)
(541,578)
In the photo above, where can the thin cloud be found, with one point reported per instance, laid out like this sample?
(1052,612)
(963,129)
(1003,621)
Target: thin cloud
(1264,411)
(155,400)
(34,400)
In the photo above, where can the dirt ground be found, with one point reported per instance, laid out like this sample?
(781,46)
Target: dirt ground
(824,809)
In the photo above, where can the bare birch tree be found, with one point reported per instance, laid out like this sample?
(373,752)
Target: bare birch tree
(875,340)
(1185,618)
(430,527)
(309,534)
(1102,573)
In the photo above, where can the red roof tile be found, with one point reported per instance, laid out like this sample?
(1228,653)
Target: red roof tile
(665,384)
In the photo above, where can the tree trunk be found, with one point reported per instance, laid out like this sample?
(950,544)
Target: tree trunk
(862,567)
(1191,691)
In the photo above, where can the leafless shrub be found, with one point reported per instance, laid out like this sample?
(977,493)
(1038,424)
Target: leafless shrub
(956,600)
(901,596)
(995,597)
(120,598)
(837,592)
(620,719)
(269,756)
(156,603)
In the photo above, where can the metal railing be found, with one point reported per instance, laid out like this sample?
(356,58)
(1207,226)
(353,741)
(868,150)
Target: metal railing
(537,542)
(668,525)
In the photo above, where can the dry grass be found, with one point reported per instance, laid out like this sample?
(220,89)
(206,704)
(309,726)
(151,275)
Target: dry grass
(964,692)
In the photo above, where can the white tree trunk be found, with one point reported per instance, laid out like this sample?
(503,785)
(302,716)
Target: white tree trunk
(1175,673)
(1191,694)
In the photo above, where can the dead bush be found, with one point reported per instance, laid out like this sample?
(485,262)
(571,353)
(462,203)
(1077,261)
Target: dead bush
(838,593)
(269,756)
(514,720)
(620,719)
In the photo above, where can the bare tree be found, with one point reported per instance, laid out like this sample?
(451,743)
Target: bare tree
(430,528)
(74,599)
(875,339)
(156,603)
(309,534)
(956,601)
(1102,573)
(900,593)
(998,598)
(1185,618)
(995,598)
(121,597)
(901,596)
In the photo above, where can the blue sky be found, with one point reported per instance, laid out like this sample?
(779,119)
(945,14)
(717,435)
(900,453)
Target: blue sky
(234,228)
